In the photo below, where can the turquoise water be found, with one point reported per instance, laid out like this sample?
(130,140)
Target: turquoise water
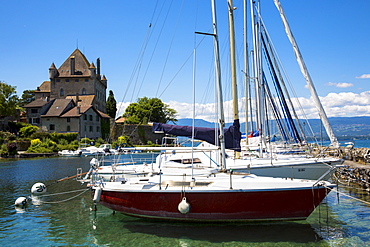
(336,222)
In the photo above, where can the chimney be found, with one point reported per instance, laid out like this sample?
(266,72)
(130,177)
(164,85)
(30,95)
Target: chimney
(73,65)
(78,110)
(98,66)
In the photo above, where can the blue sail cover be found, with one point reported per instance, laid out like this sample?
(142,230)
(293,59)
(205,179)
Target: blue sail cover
(232,134)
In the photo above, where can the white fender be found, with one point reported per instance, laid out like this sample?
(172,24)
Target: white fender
(38,188)
(184,206)
(97,194)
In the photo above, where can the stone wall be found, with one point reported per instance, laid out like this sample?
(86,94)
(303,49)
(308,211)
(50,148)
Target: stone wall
(139,134)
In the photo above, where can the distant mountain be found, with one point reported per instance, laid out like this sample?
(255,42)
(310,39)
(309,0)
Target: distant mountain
(342,126)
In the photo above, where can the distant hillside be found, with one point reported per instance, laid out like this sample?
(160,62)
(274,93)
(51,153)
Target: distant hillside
(342,126)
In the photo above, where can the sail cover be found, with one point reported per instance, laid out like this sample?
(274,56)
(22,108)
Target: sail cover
(232,134)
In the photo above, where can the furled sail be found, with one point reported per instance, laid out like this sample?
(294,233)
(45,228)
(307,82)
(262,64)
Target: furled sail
(232,134)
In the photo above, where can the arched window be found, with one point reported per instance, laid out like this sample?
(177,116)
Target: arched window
(84,91)
(61,93)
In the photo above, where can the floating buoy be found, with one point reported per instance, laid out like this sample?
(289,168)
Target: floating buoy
(38,188)
(21,201)
(184,206)
(97,194)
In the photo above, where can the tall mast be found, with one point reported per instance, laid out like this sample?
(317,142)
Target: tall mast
(221,118)
(232,59)
(246,73)
(234,88)
(307,76)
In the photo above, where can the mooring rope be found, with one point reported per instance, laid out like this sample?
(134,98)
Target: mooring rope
(84,190)
(354,198)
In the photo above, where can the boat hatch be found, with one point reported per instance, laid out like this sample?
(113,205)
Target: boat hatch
(187,161)
(185,183)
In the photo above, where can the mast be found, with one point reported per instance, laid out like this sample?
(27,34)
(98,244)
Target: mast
(221,120)
(307,76)
(234,88)
(246,73)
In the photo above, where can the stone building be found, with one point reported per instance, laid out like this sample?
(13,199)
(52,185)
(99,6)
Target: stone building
(74,100)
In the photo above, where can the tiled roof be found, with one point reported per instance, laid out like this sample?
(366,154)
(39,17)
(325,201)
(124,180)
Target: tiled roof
(37,103)
(81,65)
(44,87)
(103,115)
(74,111)
(58,108)
(84,100)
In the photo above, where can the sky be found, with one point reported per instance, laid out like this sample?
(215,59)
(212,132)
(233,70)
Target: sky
(147,47)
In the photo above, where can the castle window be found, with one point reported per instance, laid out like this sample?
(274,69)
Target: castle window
(97,118)
(68,128)
(90,117)
(68,119)
(97,129)
(85,117)
(86,80)
(58,80)
(77,80)
(91,128)
(52,127)
(34,110)
(83,91)
(67,80)
(61,93)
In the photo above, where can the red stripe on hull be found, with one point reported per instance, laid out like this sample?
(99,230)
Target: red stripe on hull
(219,206)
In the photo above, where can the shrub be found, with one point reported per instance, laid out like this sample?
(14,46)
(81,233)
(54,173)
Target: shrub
(12,148)
(40,135)
(28,130)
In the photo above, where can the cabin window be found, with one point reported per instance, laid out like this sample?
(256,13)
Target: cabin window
(77,80)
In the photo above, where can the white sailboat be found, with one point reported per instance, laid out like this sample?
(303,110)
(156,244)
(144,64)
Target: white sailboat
(221,196)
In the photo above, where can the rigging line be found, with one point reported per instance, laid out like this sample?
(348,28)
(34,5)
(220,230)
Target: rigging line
(181,67)
(170,47)
(141,54)
(287,78)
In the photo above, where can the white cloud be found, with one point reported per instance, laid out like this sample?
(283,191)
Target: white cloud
(341,85)
(364,76)
(345,104)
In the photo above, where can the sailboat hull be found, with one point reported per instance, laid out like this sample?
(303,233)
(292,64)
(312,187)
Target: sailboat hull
(230,205)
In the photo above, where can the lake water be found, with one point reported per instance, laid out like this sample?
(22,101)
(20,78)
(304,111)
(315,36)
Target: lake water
(57,221)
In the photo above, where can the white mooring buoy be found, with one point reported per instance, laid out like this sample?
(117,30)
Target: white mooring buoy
(38,188)
(21,201)
(184,206)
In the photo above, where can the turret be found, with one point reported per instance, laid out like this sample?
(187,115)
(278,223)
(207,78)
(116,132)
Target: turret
(92,69)
(53,72)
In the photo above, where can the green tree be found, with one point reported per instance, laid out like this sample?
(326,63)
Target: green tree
(111,105)
(149,110)
(8,100)
(27,97)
